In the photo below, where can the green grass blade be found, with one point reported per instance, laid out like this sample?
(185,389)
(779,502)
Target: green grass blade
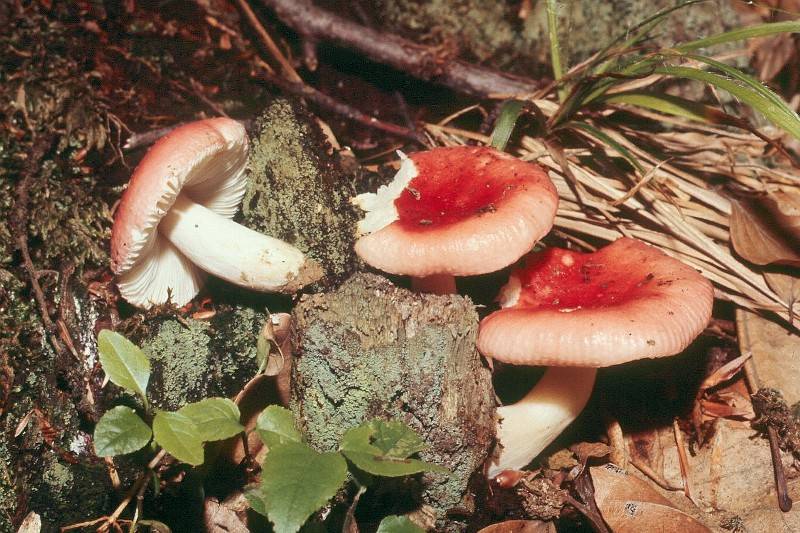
(637,34)
(776,114)
(505,123)
(608,140)
(674,105)
(760,30)
(748,80)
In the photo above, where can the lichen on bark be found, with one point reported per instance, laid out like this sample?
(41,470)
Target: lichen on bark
(370,350)
(297,190)
(194,359)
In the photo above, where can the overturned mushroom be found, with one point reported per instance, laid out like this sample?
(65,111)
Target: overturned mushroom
(173,222)
(456,211)
(579,311)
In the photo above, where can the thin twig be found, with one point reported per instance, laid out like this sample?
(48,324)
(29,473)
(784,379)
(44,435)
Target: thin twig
(286,67)
(781,489)
(326,102)
(653,475)
(19,224)
(683,461)
(422,62)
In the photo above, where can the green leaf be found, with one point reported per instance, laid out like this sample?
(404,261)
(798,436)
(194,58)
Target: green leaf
(382,448)
(739,34)
(120,431)
(674,105)
(177,434)
(275,425)
(398,524)
(505,123)
(775,111)
(215,418)
(125,363)
(297,481)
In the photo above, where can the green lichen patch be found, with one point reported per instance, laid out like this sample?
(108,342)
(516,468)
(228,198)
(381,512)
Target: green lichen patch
(371,350)
(298,192)
(193,359)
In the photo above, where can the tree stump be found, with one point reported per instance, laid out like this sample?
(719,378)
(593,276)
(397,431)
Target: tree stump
(371,349)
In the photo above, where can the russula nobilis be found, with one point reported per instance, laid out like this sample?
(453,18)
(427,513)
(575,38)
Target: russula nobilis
(580,311)
(173,222)
(455,211)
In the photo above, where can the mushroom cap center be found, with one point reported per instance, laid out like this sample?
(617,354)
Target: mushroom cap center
(565,280)
(450,187)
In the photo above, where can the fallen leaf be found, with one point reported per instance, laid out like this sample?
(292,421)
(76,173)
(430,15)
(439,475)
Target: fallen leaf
(725,372)
(772,54)
(787,287)
(520,526)
(775,352)
(765,231)
(630,505)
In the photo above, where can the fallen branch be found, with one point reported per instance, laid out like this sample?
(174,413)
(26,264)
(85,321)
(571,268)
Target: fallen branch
(424,62)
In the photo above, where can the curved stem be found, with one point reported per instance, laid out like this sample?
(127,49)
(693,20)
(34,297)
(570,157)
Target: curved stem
(435,284)
(231,251)
(528,426)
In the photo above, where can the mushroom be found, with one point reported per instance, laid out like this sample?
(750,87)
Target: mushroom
(173,222)
(455,211)
(581,311)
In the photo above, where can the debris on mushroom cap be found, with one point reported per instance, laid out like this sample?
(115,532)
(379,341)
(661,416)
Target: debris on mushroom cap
(624,302)
(466,210)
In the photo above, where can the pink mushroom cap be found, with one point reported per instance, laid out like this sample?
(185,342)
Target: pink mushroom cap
(626,301)
(469,210)
(203,159)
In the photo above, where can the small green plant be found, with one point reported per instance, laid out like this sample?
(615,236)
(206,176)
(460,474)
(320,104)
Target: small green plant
(181,434)
(298,481)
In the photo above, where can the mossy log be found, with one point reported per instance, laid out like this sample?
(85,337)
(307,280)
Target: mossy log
(370,350)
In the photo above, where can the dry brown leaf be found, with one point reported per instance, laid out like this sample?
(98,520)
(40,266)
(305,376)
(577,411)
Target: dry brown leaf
(787,287)
(630,505)
(728,404)
(763,233)
(725,372)
(775,353)
(272,342)
(520,526)
(772,54)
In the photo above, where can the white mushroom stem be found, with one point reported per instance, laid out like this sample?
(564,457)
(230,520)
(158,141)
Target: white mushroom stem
(229,250)
(435,284)
(528,426)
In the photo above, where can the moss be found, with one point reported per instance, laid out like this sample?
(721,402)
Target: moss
(193,359)
(298,192)
(491,32)
(8,495)
(373,350)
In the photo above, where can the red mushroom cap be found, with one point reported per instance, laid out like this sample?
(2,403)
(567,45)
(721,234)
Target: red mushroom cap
(624,302)
(469,210)
(205,160)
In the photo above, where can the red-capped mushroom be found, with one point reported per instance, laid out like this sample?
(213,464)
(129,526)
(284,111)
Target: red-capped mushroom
(455,211)
(581,311)
(173,222)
